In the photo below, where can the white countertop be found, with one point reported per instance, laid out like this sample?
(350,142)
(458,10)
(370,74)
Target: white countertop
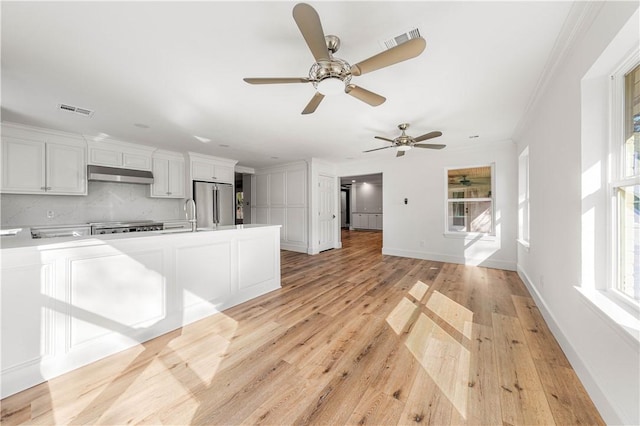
(22,238)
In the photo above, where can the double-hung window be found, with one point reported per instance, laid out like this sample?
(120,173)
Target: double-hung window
(625,185)
(470,200)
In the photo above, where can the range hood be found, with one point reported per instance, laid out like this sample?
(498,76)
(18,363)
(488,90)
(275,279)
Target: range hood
(115,174)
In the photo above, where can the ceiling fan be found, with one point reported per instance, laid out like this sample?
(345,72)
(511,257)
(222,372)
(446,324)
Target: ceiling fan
(464,181)
(405,142)
(331,75)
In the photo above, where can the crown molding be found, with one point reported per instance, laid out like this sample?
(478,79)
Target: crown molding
(578,21)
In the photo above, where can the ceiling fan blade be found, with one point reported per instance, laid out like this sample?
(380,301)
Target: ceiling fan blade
(429,145)
(310,26)
(313,103)
(426,136)
(276,80)
(364,95)
(400,153)
(378,149)
(384,139)
(401,52)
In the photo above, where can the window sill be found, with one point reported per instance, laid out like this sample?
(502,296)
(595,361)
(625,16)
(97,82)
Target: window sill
(524,244)
(470,236)
(623,321)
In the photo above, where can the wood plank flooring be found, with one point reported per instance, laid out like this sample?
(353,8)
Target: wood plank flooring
(353,337)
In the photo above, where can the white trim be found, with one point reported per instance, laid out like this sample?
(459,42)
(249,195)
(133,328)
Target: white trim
(607,408)
(474,235)
(524,244)
(615,174)
(578,21)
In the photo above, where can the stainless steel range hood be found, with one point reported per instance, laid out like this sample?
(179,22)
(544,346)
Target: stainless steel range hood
(115,174)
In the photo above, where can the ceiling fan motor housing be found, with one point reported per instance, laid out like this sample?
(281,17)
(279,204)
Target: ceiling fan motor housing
(330,71)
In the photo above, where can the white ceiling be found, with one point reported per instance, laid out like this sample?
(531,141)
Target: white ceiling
(177,67)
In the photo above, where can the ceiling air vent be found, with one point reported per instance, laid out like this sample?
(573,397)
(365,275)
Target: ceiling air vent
(82,111)
(402,38)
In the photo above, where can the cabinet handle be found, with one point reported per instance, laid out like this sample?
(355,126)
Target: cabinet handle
(168,193)
(44,188)
(214,177)
(48,188)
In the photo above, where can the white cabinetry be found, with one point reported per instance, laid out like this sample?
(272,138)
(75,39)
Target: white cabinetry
(112,153)
(37,163)
(211,169)
(66,304)
(367,221)
(168,175)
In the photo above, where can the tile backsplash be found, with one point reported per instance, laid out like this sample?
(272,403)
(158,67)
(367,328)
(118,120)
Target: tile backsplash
(105,202)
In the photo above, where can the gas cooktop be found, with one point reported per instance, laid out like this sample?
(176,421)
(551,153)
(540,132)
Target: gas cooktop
(98,228)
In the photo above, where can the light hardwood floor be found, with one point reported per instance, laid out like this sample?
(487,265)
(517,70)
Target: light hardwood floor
(353,337)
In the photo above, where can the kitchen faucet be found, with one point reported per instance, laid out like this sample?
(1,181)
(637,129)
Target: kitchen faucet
(190,209)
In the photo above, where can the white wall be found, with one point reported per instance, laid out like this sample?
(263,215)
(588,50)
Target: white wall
(279,197)
(105,202)
(417,228)
(606,360)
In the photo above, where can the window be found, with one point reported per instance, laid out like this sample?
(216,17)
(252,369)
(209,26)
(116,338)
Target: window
(523,197)
(470,200)
(626,188)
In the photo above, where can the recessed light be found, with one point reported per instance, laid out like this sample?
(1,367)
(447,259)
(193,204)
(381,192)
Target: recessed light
(201,139)
(275,158)
(224,145)
(354,181)
(140,125)
(474,136)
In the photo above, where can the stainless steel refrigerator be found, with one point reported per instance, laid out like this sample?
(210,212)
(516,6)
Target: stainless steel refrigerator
(214,204)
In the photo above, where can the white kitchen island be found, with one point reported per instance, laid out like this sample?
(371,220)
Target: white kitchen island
(67,302)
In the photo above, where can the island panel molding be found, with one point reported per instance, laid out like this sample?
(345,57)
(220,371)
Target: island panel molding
(69,302)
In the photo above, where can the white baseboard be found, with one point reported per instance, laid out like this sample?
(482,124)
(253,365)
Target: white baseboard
(293,247)
(488,263)
(605,407)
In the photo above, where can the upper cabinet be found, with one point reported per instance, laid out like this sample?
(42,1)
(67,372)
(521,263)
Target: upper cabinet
(168,175)
(211,169)
(112,153)
(35,162)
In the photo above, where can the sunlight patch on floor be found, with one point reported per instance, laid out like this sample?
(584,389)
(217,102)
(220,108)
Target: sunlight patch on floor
(401,315)
(453,313)
(445,359)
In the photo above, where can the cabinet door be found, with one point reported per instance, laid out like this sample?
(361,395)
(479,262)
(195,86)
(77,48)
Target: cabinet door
(202,170)
(224,174)
(105,157)
(371,221)
(66,169)
(160,187)
(168,178)
(378,221)
(136,161)
(23,166)
(176,178)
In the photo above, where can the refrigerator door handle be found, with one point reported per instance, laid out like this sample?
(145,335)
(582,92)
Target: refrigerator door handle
(216,205)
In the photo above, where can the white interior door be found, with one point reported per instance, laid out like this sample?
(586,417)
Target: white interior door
(326,214)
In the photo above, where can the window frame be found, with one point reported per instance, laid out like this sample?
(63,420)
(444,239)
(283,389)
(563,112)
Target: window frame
(464,234)
(617,178)
(524,218)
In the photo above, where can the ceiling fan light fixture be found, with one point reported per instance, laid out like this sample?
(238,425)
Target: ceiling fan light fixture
(330,86)
(404,147)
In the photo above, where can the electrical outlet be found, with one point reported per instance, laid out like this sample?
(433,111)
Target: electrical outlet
(50,214)
(422,243)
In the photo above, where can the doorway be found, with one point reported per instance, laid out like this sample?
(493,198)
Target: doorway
(361,201)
